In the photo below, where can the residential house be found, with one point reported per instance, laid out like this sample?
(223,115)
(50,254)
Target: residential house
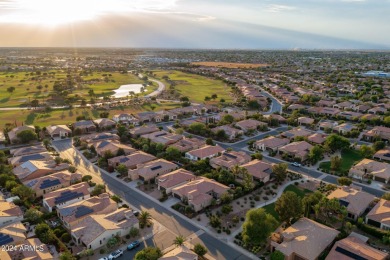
(131,160)
(259,170)
(354,199)
(84,127)
(52,182)
(355,247)
(296,107)
(14,233)
(204,152)
(377,110)
(325,103)
(112,147)
(143,130)
(147,116)
(28,150)
(174,179)
(276,117)
(378,131)
(166,115)
(72,214)
(9,213)
(296,132)
(98,137)
(94,231)
(35,169)
(344,105)
(163,137)
(324,125)
(41,251)
(105,123)
(229,159)
(151,170)
(66,196)
(230,132)
(305,121)
(58,131)
(305,239)
(378,170)
(180,253)
(350,115)
(296,150)
(379,215)
(126,119)
(383,155)
(317,138)
(271,143)
(13,134)
(250,125)
(16,161)
(188,144)
(200,193)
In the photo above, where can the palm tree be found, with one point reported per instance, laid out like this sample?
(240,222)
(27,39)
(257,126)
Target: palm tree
(144,218)
(179,240)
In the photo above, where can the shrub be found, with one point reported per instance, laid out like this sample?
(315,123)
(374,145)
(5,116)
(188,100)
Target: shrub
(102,251)
(65,238)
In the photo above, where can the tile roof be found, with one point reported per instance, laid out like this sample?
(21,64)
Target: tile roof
(206,151)
(66,194)
(258,169)
(380,212)
(174,178)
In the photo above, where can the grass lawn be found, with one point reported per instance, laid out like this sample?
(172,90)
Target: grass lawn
(300,192)
(349,158)
(196,87)
(26,86)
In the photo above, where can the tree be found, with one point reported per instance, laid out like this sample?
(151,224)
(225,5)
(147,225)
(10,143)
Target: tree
(335,163)
(209,141)
(214,96)
(316,153)
(258,226)
(145,218)
(23,192)
(386,196)
(99,189)
(366,151)
(200,250)
(330,210)
(378,145)
(44,233)
(336,142)
(120,152)
(10,89)
(221,134)
(26,136)
(67,256)
(148,253)
(34,103)
(277,255)
(247,180)
(33,215)
(172,154)
(197,128)
(122,169)
(288,206)
(344,181)
(227,119)
(207,98)
(179,240)
(86,178)
(257,156)
(280,171)
(134,232)
(309,201)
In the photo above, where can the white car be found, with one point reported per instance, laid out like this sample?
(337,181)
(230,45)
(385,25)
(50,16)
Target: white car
(296,164)
(115,254)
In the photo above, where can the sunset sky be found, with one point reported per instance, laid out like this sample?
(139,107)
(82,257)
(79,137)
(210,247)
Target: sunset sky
(255,24)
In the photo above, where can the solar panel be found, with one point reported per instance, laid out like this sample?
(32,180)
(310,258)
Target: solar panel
(49,183)
(66,196)
(230,155)
(387,155)
(161,134)
(349,254)
(31,157)
(82,211)
(344,203)
(5,239)
(156,167)
(32,183)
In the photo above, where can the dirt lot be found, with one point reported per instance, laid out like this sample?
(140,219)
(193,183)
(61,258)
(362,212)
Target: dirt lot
(230,65)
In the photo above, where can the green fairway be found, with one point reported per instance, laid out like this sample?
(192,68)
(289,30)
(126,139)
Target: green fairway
(348,159)
(196,87)
(301,193)
(28,86)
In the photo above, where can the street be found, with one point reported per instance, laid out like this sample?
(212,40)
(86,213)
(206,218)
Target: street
(175,224)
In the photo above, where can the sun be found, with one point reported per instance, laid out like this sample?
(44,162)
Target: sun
(57,12)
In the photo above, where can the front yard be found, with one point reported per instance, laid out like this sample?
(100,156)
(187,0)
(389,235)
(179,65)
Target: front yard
(349,158)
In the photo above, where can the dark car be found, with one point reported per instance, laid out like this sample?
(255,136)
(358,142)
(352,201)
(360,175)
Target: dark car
(133,245)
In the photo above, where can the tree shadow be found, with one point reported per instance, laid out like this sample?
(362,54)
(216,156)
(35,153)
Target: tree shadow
(30,118)
(4,100)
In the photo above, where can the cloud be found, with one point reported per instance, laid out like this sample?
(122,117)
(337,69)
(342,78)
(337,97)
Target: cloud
(275,8)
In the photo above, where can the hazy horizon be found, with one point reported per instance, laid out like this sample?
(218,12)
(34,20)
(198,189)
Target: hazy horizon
(190,24)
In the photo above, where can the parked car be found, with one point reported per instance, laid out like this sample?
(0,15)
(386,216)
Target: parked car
(133,245)
(136,213)
(115,254)
(296,164)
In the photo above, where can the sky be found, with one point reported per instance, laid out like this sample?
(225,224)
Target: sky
(214,24)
